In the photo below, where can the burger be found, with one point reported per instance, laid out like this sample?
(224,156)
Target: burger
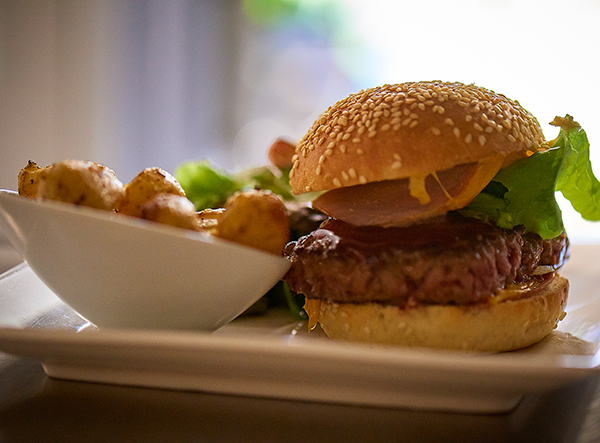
(442,229)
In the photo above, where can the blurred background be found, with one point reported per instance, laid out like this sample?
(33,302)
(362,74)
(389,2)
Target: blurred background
(133,83)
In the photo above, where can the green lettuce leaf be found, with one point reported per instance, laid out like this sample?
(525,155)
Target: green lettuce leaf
(204,184)
(524,192)
(208,186)
(576,180)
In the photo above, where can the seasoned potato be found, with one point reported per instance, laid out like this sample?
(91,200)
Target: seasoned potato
(29,179)
(81,183)
(144,187)
(257,219)
(171,209)
(208,219)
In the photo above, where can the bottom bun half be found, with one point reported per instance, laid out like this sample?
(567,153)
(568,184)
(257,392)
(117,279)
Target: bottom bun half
(505,326)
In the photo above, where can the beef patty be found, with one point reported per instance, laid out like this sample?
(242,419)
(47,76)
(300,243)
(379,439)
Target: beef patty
(449,260)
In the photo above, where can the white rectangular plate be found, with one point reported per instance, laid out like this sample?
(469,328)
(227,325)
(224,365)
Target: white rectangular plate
(271,357)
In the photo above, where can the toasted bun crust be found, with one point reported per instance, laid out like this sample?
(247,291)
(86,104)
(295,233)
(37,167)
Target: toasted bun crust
(508,325)
(402,130)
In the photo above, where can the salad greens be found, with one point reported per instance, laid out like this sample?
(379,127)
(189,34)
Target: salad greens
(524,192)
(208,186)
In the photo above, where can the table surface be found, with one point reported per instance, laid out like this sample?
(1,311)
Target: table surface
(36,408)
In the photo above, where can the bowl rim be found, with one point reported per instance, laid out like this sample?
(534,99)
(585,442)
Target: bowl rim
(129,221)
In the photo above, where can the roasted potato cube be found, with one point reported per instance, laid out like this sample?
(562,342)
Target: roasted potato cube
(171,209)
(208,219)
(144,187)
(81,183)
(29,179)
(257,219)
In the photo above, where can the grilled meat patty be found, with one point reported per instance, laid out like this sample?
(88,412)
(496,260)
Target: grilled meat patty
(449,260)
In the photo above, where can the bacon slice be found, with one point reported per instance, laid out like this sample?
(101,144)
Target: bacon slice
(403,201)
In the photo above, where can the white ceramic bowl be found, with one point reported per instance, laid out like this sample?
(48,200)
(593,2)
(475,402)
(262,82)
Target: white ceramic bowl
(121,272)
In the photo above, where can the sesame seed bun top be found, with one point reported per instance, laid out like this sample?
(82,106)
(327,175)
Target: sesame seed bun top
(402,130)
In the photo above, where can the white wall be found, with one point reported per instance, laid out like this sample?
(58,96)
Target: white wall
(47,79)
(126,83)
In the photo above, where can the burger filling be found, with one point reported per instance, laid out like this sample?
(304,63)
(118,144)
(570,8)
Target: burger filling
(450,259)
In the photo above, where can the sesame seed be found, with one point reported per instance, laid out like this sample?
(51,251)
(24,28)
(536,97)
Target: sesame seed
(396,165)
(385,127)
(413,124)
(481,139)
(511,138)
(468,117)
(421,106)
(356,140)
(346,136)
(406,121)
(343,149)
(478,127)
(362,179)
(414,116)
(329,152)
(318,170)
(345,175)
(360,151)
(436,131)
(307,189)
(337,182)
(468,138)
(449,121)
(372,134)
(352,172)
(331,145)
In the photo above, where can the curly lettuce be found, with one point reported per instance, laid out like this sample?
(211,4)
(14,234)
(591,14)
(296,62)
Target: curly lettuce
(524,192)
